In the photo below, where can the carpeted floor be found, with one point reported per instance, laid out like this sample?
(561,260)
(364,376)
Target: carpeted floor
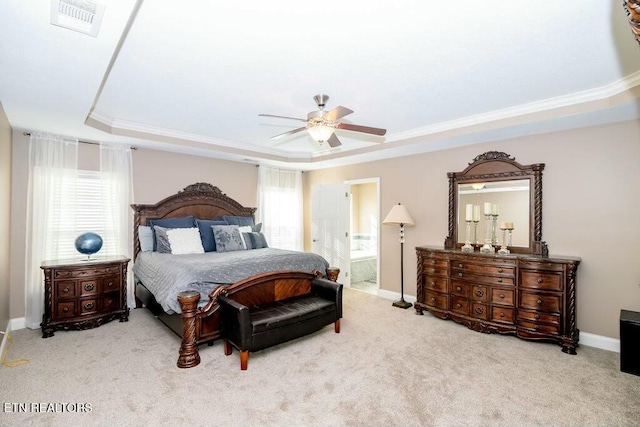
(386,367)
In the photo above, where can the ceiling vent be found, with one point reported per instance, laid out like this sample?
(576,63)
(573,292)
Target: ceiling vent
(83,16)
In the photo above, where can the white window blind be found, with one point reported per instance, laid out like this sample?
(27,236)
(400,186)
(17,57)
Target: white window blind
(80,208)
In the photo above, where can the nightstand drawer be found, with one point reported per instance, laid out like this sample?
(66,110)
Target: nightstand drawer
(88,306)
(88,287)
(66,309)
(111,283)
(460,305)
(66,289)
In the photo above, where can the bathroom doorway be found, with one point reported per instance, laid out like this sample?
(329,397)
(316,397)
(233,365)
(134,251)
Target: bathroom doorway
(364,226)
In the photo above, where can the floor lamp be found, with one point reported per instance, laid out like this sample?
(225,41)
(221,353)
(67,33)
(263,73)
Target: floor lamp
(399,215)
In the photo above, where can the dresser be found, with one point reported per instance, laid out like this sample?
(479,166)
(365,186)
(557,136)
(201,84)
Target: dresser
(84,294)
(530,296)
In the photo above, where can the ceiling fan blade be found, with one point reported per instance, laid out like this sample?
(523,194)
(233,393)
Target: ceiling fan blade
(337,113)
(282,117)
(333,141)
(363,129)
(291,132)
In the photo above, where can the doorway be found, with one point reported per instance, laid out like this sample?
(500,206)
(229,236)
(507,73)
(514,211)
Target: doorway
(364,223)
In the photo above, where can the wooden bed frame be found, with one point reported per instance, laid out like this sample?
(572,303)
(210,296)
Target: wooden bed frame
(195,325)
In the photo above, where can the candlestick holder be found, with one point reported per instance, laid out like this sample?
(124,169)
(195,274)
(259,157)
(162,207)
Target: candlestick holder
(487,248)
(494,229)
(503,249)
(475,232)
(467,244)
(510,230)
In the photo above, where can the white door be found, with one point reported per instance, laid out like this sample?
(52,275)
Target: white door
(330,226)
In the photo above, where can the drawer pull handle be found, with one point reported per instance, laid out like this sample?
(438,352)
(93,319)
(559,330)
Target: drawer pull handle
(540,280)
(500,270)
(500,280)
(89,287)
(458,305)
(88,306)
(460,265)
(110,285)
(501,314)
(539,302)
(433,299)
(65,290)
(501,296)
(433,283)
(479,310)
(537,316)
(536,327)
(480,292)
(458,288)
(66,309)
(460,274)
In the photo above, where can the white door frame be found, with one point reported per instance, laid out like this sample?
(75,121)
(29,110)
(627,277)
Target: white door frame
(375,180)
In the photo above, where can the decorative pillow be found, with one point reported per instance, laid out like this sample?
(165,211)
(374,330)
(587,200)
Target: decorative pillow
(145,237)
(206,232)
(179,241)
(255,240)
(182,222)
(228,238)
(257,228)
(245,229)
(238,220)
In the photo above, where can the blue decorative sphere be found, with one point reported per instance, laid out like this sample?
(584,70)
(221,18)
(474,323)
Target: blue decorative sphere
(88,243)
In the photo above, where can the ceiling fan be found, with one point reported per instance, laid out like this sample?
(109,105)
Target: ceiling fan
(322,125)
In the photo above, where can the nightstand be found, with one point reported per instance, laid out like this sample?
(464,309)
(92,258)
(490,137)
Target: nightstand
(84,294)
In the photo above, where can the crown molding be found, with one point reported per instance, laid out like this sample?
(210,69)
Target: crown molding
(575,103)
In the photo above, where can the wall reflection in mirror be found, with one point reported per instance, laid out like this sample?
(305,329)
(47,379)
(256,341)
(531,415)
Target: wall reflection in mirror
(508,199)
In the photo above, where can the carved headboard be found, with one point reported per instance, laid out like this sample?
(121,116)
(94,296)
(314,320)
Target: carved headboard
(201,200)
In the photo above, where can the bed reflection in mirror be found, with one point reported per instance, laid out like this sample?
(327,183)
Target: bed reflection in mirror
(509,199)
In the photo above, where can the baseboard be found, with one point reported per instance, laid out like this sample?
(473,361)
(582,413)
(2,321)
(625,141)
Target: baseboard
(598,341)
(586,339)
(13,325)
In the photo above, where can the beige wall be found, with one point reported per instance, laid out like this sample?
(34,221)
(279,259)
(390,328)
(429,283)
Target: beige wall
(590,210)
(156,175)
(5,224)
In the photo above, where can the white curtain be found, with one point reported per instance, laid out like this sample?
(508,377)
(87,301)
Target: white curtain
(280,207)
(53,163)
(117,196)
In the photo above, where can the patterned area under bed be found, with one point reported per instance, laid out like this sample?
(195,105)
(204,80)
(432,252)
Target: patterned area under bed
(166,275)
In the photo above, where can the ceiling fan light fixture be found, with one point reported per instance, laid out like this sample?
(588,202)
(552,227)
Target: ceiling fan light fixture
(320,132)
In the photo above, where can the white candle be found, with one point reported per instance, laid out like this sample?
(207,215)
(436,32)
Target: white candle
(503,226)
(487,208)
(469,212)
(494,209)
(476,212)
(509,225)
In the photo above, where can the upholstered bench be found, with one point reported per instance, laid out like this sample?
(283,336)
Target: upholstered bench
(273,308)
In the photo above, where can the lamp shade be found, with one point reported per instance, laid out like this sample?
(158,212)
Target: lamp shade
(398,215)
(320,132)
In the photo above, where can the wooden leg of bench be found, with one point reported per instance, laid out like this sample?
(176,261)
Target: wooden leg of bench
(336,326)
(244,360)
(227,347)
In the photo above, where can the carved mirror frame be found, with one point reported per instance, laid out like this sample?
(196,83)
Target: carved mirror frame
(499,166)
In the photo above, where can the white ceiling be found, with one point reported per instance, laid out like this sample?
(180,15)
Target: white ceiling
(192,76)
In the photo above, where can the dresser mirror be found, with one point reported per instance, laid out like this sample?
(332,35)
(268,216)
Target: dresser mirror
(501,201)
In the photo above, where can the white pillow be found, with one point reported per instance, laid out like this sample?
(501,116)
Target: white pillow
(183,241)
